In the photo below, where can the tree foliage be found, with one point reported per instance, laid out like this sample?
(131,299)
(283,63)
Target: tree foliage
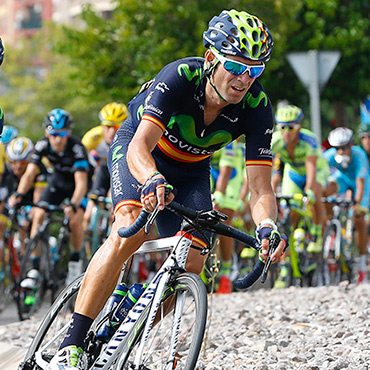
(82,69)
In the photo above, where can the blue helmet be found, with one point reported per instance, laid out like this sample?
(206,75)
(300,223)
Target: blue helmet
(58,119)
(9,133)
(1,51)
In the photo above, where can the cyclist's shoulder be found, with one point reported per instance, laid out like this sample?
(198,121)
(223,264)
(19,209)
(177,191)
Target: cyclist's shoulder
(93,137)
(359,153)
(42,145)
(257,98)
(307,137)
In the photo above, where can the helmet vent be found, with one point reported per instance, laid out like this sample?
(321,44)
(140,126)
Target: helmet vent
(226,45)
(244,51)
(234,31)
(255,36)
(250,22)
(219,25)
(255,51)
(231,39)
(214,34)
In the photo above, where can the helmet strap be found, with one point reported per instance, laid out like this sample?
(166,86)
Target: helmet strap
(208,73)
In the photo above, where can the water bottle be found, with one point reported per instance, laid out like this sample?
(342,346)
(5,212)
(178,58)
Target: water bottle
(299,235)
(122,310)
(106,331)
(53,243)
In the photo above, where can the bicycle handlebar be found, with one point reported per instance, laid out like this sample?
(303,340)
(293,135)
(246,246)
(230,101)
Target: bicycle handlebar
(203,219)
(210,222)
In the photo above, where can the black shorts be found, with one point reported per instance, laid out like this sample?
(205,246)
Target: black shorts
(58,190)
(192,187)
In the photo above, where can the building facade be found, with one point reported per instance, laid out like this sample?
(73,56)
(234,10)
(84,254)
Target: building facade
(20,18)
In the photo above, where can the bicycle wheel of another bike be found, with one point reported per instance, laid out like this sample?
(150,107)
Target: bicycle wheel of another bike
(331,266)
(189,292)
(52,329)
(6,278)
(29,297)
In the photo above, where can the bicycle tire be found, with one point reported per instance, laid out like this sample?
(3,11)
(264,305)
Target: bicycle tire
(58,315)
(25,310)
(6,278)
(189,345)
(331,266)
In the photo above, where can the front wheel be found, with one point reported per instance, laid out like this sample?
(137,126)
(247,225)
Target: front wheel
(188,298)
(331,266)
(52,329)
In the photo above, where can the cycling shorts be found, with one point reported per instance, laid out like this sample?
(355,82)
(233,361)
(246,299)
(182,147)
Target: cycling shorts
(58,190)
(192,186)
(294,183)
(345,183)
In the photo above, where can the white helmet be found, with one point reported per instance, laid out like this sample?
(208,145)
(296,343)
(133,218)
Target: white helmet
(19,149)
(340,136)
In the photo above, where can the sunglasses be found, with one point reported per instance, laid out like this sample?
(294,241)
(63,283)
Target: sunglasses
(237,68)
(59,133)
(364,134)
(110,124)
(343,147)
(289,127)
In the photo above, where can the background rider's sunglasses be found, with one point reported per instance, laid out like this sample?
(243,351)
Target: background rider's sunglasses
(237,68)
(59,133)
(364,134)
(288,127)
(343,147)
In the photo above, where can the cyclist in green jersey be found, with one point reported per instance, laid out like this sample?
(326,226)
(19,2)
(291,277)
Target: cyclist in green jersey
(305,169)
(227,170)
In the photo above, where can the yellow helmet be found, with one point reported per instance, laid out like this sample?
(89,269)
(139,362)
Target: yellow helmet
(113,114)
(288,114)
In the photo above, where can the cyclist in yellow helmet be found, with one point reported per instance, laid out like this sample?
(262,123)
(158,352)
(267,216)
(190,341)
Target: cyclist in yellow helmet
(97,141)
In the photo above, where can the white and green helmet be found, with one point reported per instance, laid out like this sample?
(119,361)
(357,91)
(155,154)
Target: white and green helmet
(239,34)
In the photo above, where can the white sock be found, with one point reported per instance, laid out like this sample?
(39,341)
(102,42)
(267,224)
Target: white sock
(362,262)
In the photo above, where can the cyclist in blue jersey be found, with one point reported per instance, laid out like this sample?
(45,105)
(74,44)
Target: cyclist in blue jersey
(349,167)
(69,180)
(192,108)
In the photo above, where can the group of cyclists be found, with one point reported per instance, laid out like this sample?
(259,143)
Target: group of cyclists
(196,110)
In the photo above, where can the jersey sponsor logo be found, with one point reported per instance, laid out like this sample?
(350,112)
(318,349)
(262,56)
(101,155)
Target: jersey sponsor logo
(264,152)
(78,151)
(254,102)
(115,155)
(186,126)
(190,75)
(116,179)
(269,131)
(162,87)
(236,119)
(154,109)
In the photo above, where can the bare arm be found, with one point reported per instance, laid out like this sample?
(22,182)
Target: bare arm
(80,187)
(310,172)
(28,178)
(223,178)
(141,162)
(360,189)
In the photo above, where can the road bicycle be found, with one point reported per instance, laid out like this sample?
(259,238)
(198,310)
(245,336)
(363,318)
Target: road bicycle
(10,270)
(98,228)
(338,243)
(304,266)
(53,265)
(149,337)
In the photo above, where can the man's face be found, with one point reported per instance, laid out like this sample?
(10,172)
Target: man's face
(19,167)
(231,87)
(290,133)
(58,139)
(365,141)
(109,132)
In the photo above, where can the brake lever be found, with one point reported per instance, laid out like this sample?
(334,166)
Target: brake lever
(274,242)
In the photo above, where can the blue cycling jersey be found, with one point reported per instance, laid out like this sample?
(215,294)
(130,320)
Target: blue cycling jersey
(174,101)
(358,167)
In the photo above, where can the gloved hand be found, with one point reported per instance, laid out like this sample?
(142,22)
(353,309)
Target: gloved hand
(219,198)
(311,196)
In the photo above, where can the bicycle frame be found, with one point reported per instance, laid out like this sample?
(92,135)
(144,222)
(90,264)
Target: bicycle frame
(145,310)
